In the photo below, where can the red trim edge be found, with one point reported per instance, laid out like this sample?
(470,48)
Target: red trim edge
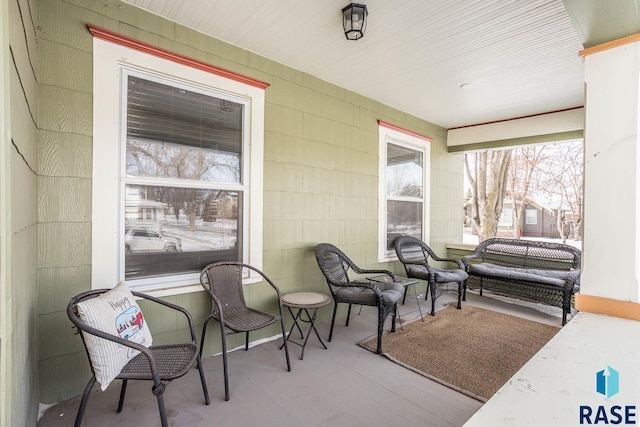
(125,41)
(517,118)
(399,129)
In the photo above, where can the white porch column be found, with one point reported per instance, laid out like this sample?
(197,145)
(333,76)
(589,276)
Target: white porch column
(610,266)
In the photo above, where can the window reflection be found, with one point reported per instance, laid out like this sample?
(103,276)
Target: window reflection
(404,171)
(404,193)
(160,159)
(403,219)
(171,230)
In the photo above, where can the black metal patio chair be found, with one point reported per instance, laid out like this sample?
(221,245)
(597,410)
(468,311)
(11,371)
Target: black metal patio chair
(335,266)
(223,283)
(160,363)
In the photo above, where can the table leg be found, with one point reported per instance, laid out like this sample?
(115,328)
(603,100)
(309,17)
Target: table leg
(312,327)
(295,324)
(415,293)
(417,301)
(311,319)
(295,321)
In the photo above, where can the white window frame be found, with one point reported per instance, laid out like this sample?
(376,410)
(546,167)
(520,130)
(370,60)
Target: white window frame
(527,218)
(110,61)
(390,134)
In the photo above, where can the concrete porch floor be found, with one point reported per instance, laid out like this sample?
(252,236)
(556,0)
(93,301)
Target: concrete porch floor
(342,386)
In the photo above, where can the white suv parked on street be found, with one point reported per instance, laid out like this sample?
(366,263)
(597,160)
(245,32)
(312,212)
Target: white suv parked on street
(144,240)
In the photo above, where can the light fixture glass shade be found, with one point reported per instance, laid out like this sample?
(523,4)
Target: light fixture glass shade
(354,20)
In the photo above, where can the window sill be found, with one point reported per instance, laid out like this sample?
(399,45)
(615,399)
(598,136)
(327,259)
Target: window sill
(186,289)
(388,258)
(462,246)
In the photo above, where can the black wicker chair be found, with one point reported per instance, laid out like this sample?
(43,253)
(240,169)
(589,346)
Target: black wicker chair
(158,363)
(335,266)
(223,283)
(414,254)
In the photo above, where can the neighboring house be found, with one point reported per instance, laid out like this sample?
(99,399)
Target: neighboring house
(219,208)
(144,213)
(538,219)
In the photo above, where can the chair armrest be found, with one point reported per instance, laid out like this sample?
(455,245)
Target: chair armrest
(172,306)
(459,263)
(359,270)
(273,285)
(264,277)
(466,260)
(573,278)
(270,282)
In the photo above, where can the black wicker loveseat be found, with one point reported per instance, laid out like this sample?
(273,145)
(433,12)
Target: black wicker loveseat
(540,271)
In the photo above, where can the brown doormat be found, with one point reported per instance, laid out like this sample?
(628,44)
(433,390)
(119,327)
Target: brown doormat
(472,350)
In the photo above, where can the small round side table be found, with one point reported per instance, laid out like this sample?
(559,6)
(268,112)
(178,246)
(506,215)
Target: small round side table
(303,302)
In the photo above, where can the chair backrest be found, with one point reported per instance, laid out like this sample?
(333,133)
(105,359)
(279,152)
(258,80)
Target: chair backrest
(223,281)
(529,254)
(80,325)
(334,264)
(412,250)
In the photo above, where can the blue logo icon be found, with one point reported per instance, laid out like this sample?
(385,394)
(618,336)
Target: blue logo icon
(608,382)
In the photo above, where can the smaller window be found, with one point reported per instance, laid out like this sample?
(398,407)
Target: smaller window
(404,187)
(531,216)
(506,218)
(405,180)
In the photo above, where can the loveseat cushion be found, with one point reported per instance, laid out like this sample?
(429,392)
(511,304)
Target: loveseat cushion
(532,275)
(442,276)
(391,294)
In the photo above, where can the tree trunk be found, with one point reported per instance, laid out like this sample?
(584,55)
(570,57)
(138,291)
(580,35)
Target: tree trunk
(524,162)
(191,215)
(488,182)
(560,225)
(518,212)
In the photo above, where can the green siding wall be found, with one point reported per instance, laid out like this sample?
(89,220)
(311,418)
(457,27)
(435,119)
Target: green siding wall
(320,175)
(20,351)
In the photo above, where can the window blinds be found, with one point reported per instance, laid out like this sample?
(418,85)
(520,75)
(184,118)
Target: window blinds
(169,114)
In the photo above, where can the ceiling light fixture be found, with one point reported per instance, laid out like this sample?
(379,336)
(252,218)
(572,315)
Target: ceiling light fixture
(354,20)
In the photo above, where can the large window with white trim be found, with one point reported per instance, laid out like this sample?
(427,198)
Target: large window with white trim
(182,161)
(404,190)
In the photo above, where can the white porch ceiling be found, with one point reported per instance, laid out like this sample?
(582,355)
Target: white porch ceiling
(453,63)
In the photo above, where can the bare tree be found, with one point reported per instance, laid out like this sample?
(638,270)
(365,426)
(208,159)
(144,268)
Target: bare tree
(487,174)
(553,170)
(562,176)
(522,176)
(150,158)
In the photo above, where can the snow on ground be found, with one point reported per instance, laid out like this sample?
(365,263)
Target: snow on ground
(219,234)
(472,239)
